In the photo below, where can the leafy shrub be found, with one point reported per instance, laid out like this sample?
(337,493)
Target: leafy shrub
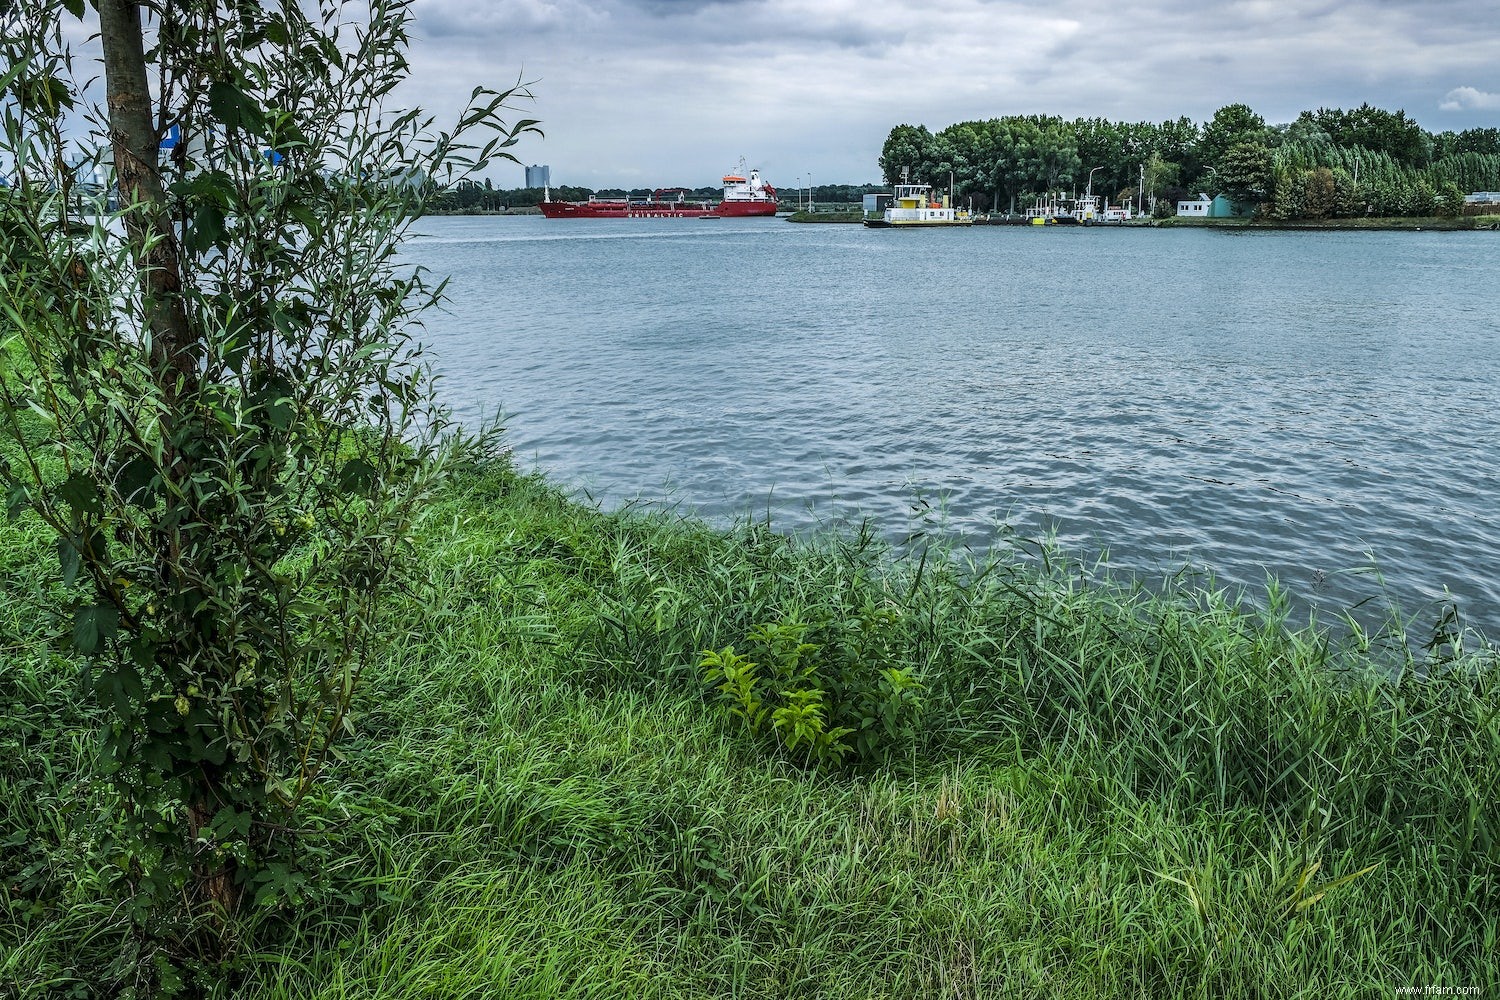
(212,401)
(827,699)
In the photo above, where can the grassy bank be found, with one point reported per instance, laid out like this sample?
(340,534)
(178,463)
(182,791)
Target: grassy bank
(1412,223)
(1104,793)
(522,210)
(854,214)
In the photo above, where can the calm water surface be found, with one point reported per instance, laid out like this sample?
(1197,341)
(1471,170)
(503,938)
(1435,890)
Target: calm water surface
(1313,406)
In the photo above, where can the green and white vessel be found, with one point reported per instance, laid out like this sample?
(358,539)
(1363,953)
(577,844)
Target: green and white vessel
(915,206)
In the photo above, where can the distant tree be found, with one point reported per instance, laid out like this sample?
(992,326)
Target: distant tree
(1389,132)
(1285,192)
(1159,175)
(1178,141)
(1245,171)
(1055,157)
(1450,200)
(1098,140)
(1421,198)
(939,164)
(1320,193)
(968,157)
(908,148)
(1484,141)
(1347,201)
(1003,140)
(1304,129)
(1111,147)
(1470,171)
(1231,125)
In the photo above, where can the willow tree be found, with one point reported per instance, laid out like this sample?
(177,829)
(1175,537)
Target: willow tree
(212,398)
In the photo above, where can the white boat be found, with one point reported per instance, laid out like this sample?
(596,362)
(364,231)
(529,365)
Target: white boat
(1062,210)
(1084,210)
(914,205)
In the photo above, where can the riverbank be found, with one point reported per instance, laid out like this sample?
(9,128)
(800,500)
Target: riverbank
(854,215)
(1413,223)
(524,210)
(1101,794)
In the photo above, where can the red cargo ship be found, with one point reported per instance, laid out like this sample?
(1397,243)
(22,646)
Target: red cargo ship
(744,196)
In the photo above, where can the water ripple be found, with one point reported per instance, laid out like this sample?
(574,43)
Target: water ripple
(1320,407)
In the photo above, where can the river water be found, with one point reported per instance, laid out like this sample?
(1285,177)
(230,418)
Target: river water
(1321,407)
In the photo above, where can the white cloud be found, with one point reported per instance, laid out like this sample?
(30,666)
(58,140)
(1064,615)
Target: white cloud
(1470,99)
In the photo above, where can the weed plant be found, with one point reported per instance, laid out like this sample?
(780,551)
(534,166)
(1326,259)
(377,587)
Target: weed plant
(1101,792)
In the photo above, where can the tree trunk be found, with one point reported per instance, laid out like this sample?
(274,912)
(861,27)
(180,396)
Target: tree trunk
(153,242)
(148,226)
(216,878)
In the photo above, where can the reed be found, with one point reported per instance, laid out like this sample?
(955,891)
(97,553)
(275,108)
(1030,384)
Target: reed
(1106,791)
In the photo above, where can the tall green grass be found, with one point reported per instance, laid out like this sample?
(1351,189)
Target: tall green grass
(1109,792)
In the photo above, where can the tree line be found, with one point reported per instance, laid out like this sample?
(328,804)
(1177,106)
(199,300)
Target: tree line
(1328,162)
(482,196)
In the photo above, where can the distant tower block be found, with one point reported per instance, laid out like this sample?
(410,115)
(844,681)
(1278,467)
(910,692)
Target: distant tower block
(538,176)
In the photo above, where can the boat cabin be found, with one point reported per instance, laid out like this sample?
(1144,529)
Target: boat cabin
(915,204)
(741,187)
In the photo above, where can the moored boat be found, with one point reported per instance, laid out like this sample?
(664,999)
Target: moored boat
(914,206)
(1064,210)
(745,196)
(1084,210)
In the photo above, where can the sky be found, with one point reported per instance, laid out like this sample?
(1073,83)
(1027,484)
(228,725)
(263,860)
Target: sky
(651,93)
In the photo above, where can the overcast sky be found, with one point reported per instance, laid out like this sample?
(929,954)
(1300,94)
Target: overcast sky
(657,92)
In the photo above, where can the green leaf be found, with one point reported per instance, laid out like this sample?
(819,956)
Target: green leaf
(68,559)
(80,493)
(137,479)
(230,105)
(143,653)
(93,626)
(207,230)
(17,500)
(75,7)
(357,476)
(235,353)
(213,187)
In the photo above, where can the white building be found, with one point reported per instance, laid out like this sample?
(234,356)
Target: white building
(1200,208)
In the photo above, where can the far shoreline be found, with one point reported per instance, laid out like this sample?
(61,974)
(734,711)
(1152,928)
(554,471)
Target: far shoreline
(1387,224)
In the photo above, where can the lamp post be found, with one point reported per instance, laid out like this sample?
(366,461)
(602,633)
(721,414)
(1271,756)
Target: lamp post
(1214,194)
(1090,192)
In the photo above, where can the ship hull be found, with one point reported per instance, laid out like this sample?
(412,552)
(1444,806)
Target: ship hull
(656,210)
(928,224)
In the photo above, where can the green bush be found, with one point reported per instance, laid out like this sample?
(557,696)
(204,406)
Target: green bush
(828,699)
(213,403)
